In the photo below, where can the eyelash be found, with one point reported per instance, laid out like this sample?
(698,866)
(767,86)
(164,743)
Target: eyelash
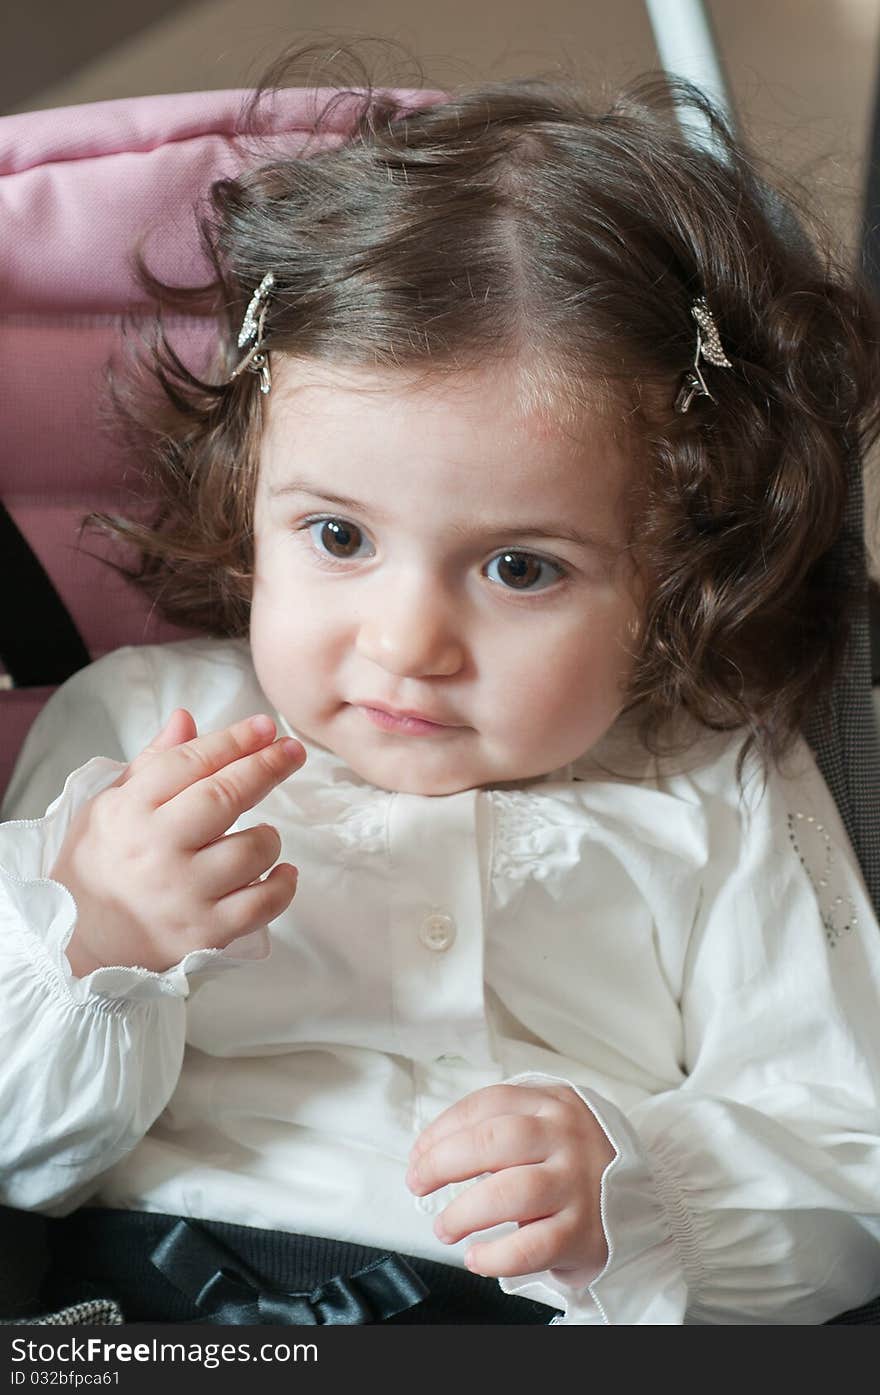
(328,560)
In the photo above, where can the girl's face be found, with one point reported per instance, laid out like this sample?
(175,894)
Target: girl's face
(435,551)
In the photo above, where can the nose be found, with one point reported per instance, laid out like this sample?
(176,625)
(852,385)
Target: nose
(412,631)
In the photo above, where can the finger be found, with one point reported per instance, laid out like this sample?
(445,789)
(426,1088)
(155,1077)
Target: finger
(480,1105)
(180,727)
(235,860)
(519,1194)
(530,1250)
(501,1141)
(202,813)
(164,774)
(254,906)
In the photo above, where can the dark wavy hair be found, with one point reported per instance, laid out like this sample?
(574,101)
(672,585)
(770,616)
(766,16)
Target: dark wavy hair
(513,221)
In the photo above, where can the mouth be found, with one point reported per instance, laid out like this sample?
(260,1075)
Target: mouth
(416,723)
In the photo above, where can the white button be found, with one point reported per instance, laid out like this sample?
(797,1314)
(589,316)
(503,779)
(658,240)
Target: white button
(437,932)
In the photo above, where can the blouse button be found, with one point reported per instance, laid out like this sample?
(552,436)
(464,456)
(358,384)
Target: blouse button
(437,932)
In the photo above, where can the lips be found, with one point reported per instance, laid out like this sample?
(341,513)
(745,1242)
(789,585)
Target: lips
(403,713)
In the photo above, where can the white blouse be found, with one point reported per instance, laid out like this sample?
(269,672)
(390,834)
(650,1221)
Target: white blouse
(703,969)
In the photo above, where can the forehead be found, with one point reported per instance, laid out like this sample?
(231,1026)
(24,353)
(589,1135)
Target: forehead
(500,427)
(527,392)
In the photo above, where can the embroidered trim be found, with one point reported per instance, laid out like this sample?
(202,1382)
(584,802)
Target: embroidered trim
(536,838)
(356,817)
(363,827)
(832,910)
(519,835)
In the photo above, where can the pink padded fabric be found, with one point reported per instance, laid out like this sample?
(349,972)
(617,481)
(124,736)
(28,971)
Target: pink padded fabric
(78,186)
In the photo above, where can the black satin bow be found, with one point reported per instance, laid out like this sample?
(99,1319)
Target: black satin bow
(227,1292)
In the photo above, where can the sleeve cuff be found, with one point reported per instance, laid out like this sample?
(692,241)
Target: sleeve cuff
(643,1280)
(44,912)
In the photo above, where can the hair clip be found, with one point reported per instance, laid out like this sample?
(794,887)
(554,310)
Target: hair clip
(250,336)
(709,346)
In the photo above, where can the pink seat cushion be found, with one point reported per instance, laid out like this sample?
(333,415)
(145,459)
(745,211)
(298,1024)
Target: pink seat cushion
(79,186)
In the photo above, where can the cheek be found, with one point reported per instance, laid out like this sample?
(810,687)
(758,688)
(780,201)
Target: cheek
(575,675)
(279,599)
(285,634)
(271,566)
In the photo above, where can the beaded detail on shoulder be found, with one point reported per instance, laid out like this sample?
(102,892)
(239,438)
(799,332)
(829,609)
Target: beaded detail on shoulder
(816,851)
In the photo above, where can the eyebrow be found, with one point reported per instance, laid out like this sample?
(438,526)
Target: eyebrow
(552,530)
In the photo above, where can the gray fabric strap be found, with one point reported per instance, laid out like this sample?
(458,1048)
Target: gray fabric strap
(845,739)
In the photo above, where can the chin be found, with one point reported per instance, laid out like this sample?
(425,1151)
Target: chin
(427,785)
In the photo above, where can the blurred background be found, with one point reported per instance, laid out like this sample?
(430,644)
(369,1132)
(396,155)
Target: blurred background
(801,73)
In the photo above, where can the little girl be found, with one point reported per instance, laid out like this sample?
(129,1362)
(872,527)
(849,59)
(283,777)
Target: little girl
(461,931)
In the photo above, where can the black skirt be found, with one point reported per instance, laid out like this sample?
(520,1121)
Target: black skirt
(170,1269)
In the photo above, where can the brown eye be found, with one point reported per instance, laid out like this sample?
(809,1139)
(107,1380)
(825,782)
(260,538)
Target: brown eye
(336,538)
(519,571)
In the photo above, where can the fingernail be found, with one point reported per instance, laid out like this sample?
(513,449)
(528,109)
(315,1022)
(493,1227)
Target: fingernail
(290,746)
(262,725)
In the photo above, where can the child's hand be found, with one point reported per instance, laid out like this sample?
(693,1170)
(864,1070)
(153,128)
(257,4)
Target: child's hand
(147,862)
(546,1153)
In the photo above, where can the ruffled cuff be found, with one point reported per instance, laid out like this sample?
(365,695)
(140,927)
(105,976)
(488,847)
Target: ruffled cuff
(643,1280)
(44,912)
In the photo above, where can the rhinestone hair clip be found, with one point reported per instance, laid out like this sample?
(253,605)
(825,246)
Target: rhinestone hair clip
(709,347)
(250,336)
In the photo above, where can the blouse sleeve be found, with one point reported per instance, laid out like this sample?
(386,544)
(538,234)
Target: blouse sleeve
(751,1193)
(86,1064)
